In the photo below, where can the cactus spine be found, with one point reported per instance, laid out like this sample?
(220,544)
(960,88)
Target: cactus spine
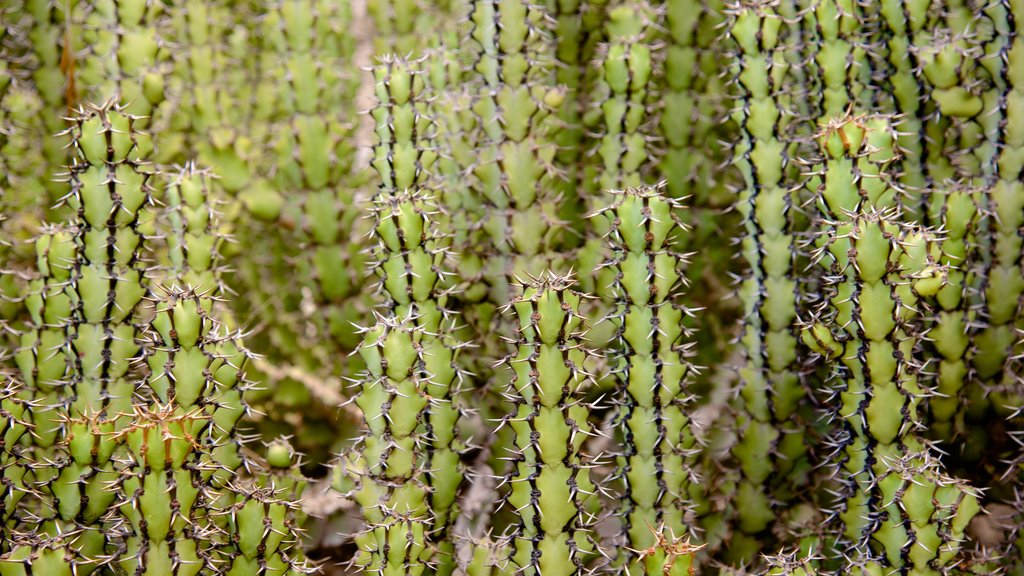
(654,372)
(549,481)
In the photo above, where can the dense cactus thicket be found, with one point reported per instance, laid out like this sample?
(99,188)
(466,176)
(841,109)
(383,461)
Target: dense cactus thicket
(511,287)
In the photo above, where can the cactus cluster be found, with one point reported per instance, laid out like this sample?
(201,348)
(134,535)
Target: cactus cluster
(493,287)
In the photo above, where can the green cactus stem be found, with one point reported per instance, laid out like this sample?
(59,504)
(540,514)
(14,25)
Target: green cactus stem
(657,468)
(771,447)
(549,482)
(897,507)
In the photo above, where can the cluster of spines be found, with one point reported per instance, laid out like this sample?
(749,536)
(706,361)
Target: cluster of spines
(549,481)
(770,449)
(651,361)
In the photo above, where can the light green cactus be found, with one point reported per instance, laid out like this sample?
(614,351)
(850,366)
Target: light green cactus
(651,361)
(549,482)
(183,440)
(770,452)
(119,53)
(623,153)
(77,348)
(875,334)
(408,473)
(194,237)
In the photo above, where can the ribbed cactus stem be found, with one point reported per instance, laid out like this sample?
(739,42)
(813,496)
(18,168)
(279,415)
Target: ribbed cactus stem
(409,473)
(76,351)
(692,99)
(514,57)
(120,54)
(894,494)
(193,239)
(771,449)
(183,440)
(15,415)
(651,360)
(624,154)
(841,55)
(549,481)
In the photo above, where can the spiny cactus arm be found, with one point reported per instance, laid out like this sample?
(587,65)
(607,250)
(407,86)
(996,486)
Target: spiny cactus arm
(997,388)
(514,50)
(412,265)
(160,465)
(119,52)
(111,193)
(624,153)
(549,482)
(656,469)
(692,99)
(194,236)
(892,266)
(904,21)
(841,55)
(770,389)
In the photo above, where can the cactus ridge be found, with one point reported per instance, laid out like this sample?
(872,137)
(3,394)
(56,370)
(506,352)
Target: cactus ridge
(549,481)
(652,346)
(770,450)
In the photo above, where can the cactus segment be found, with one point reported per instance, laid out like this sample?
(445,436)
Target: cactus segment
(652,346)
(771,448)
(874,333)
(408,473)
(549,481)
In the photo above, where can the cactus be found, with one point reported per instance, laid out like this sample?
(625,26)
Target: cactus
(549,481)
(771,450)
(183,440)
(852,167)
(408,473)
(302,217)
(76,350)
(889,268)
(653,348)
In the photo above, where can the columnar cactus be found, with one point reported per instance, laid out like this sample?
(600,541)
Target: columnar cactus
(303,221)
(624,155)
(513,49)
(549,481)
(16,413)
(771,449)
(76,352)
(651,360)
(408,473)
(193,240)
(119,53)
(183,440)
(875,333)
